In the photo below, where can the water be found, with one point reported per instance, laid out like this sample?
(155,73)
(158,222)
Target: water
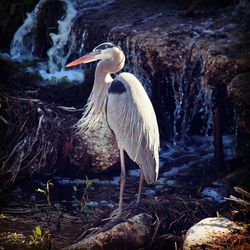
(87,5)
(214,194)
(23,43)
(190,98)
(63,43)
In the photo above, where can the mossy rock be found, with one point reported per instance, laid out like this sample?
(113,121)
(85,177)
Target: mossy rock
(239,92)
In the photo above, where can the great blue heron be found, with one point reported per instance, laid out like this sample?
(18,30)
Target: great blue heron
(128,110)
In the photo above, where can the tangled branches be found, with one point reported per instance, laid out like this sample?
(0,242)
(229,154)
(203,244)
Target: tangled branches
(33,134)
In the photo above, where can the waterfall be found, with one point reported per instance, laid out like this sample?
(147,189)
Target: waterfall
(63,45)
(56,54)
(184,94)
(185,105)
(23,44)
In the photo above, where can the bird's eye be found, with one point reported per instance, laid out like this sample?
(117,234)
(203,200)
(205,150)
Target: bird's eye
(97,51)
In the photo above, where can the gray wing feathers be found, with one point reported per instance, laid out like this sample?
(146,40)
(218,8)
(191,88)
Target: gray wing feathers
(131,117)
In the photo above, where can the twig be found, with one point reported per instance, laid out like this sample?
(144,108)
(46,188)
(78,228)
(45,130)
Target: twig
(172,223)
(242,191)
(4,120)
(87,233)
(238,200)
(157,224)
(70,109)
(27,99)
(34,136)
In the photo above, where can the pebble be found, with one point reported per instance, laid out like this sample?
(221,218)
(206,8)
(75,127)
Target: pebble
(107,204)
(92,203)
(159,188)
(161,181)
(171,183)
(150,193)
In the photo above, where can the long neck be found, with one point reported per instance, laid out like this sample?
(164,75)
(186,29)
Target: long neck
(102,73)
(113,65)
(96,104)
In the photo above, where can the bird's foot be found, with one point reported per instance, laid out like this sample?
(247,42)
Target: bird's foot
(115,215)
(133,206)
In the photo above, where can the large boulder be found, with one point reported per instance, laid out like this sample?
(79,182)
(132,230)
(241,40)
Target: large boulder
(215,233)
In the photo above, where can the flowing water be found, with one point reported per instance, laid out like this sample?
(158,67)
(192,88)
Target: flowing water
(63,43)
(23,43)
(181,145)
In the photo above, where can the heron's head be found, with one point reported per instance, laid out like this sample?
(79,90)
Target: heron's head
(102,51)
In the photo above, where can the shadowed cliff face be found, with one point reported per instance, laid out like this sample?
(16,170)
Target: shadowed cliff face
(184,63)
(181,61)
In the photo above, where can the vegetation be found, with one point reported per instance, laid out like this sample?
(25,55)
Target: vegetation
(81,204)
(46,191)
(39,238)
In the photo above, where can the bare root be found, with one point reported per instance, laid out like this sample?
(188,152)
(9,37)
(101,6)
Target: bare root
(33,135)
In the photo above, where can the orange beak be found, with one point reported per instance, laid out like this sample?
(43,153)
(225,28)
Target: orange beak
(84,59)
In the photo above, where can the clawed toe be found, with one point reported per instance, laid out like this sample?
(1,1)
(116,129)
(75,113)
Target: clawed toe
(115,215)
(133,205)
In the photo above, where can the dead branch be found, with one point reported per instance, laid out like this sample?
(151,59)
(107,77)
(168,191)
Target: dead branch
(242,191)
(238,200)
(33,135)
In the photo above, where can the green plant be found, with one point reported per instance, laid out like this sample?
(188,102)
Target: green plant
(38,236)
(12,240)
(81,204)
(46,191)
(88,183)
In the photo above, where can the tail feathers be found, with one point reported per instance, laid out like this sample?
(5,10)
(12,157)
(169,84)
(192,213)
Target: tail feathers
(150,168)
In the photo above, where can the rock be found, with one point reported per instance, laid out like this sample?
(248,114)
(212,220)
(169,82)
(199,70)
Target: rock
(150,193)
(171,183)
(213,193)
(239,91)
(214,233)
(129,234)
(178,60)
(101,147)
(159,188)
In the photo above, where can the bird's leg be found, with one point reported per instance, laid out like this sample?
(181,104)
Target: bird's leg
(123,179)
(116,214)
(140,187)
